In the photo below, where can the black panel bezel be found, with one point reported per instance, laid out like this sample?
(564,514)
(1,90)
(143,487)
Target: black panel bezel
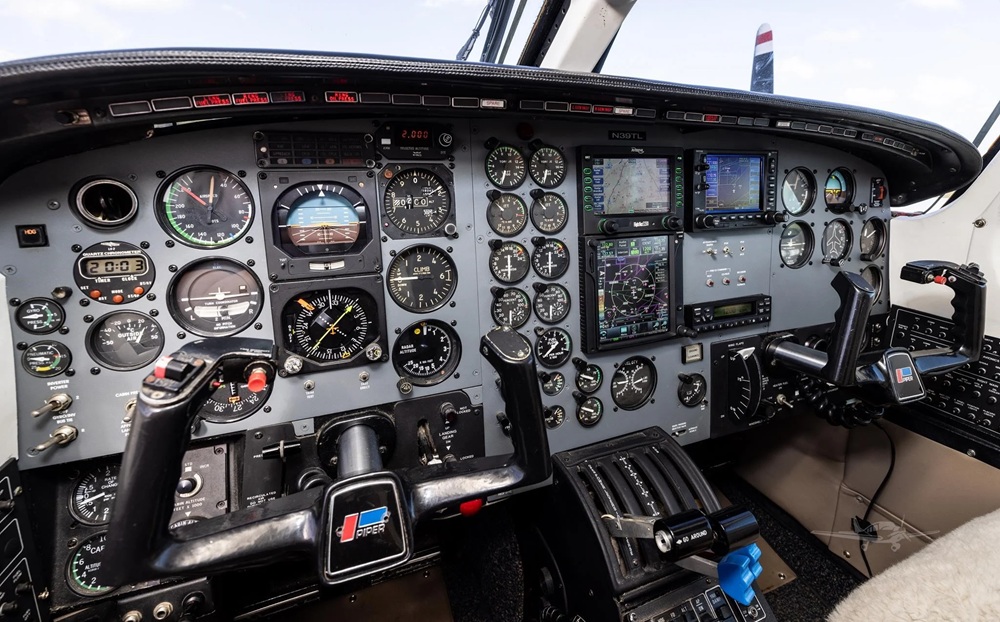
(647,222)
(362,258)
(696,201)
(588,287)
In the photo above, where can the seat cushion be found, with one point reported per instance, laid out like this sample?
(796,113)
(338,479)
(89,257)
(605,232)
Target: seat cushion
(957,577)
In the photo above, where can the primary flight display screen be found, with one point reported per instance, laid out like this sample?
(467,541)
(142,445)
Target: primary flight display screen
(626,186)
(632,288)
(734,183)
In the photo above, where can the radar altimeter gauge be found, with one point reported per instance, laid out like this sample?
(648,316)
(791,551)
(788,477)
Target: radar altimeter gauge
(426,353)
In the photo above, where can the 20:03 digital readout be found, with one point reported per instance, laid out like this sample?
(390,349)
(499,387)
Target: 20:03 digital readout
(96,268)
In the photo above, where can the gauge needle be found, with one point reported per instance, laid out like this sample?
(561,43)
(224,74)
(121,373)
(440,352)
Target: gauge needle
(138,337)
(194,196)
(94,498)
(331,328)
(211,196)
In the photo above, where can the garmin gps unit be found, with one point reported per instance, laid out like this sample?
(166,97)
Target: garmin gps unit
(631,290)
(733,189)
(628,190)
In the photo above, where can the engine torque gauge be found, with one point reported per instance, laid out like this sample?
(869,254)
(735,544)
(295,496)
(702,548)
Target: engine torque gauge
(554,416)
(552,382)
(330,325)
(873,238)
(590,411)
(549,212)
(40,316)
(633,383)
(125,340)
(205,207)
(214,297)
(508,261)
(553,347)
(421,278)
(94,494)
(505,167)
(85,565)
(551,302)
(547,167)
(416,201)
(511,307)
(550,258)
(426,353)
(507,214)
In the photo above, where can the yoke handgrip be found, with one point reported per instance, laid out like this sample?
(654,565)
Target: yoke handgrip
(968,317)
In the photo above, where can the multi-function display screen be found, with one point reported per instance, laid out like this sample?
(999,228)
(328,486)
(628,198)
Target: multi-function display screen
(633,288)
(734,183)
(625,186)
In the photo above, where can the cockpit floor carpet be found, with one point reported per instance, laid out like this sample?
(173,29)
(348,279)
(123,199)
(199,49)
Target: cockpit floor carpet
(822,579)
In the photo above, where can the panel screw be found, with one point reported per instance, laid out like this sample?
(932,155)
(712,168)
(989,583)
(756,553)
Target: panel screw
(84,302)
(95,370)
(258,326)
(267,409)
(181,335)
(154,312)
(249,239)
(847,554)
(151,297)
(144,244)
(161,174)
(169,243)
(258,435)
(76,248)
(71,372)
(251,263)
(63,330)
(172,268)
(971,453)
(15,302)
(22,346)
(53,205)
(979,223)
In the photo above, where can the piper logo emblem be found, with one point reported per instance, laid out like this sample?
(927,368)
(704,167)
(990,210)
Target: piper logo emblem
(362,524)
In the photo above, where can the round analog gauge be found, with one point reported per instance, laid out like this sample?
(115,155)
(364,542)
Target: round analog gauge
(692,390)
(590,411)
(837,242)
(426,353)
(94,495)
(421,278)
(416,201)
(549,213)
(40,316)
(509,262)
(232,401)
(744,383)
(511,307)
(507,214)
(873,276)
(554,416)
(589,379)
(796,244)
(330,325)
(547,167)
(873,237)
(205,207)
(85,565)
(215,297)
(839,188)
(633,383)
(319,219)
(46,359)
(551,303)
(505,167)
(552,382)
(553,348)
(550,258)
(125,340)
(798,191)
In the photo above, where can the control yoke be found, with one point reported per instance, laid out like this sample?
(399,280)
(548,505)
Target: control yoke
(360,524)
(891,376)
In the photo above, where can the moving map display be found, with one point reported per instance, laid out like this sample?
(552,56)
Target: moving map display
(734,182)
(632,288)
(623,186)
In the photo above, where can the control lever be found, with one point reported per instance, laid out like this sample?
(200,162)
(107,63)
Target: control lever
(56,403)
(683,537)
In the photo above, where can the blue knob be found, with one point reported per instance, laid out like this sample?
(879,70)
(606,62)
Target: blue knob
(737,572)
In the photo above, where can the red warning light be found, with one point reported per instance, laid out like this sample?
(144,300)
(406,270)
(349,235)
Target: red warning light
(341,97)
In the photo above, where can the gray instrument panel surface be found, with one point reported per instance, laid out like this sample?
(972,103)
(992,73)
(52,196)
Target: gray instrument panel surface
(801,297)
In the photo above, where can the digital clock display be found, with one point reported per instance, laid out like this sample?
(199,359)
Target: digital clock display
(114,266)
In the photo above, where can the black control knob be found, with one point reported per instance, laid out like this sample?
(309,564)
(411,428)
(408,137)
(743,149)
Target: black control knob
(445,139)
(579,363)
(449,415)
(704,221)
(672,223)
(686,331)
(608,226)
(773,218)
(701,168)
(8,609)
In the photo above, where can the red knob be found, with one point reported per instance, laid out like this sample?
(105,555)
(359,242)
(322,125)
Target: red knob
(257,380)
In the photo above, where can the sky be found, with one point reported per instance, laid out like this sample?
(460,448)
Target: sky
(931,59)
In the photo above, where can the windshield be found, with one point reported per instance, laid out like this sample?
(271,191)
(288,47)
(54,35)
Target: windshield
(923,58)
